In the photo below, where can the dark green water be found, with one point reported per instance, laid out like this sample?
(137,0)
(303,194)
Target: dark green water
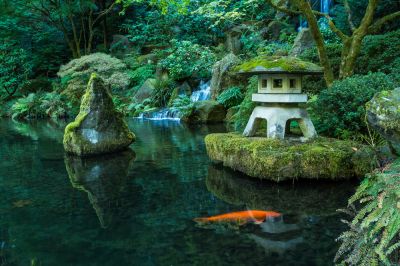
(137,209)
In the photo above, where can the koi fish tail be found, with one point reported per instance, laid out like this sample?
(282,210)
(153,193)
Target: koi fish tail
(201,220)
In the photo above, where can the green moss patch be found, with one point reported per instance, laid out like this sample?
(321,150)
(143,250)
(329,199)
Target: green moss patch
(278,160)
(277,64)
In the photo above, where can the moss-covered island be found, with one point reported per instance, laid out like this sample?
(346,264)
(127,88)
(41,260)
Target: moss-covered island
(279,64)
(280,160)
(98,128)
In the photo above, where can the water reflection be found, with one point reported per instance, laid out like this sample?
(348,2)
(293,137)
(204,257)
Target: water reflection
(103,178)
(300,198)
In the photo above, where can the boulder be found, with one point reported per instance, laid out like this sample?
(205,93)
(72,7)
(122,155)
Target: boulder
(274,30)
(303,41)
(206,112)
(233,44)
(221,78)
(383,114)
(98,128)
(145,91)
(280,160)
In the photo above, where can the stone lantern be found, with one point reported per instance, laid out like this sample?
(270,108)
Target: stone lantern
(279,94)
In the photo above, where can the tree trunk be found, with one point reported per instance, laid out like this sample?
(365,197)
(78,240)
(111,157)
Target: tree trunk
(306,9)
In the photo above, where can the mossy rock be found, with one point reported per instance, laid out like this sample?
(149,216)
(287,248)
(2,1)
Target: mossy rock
(98,128)
(280,160)
(277,64)
(383,113)
(206,112)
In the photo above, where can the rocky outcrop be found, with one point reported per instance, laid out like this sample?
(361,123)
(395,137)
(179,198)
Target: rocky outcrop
(206,112)
(233,44)
(221,77)
(145,91)
(274,30)
(383,113)
(98,128)
(280,160)
(303,41)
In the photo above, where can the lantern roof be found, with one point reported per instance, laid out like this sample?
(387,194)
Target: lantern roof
(278,65)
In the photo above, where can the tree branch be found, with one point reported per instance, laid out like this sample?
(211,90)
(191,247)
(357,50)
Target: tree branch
(349,15)
(382,21)
(283,9)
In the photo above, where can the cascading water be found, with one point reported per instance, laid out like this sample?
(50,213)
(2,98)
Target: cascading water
(202,94)
(324,7)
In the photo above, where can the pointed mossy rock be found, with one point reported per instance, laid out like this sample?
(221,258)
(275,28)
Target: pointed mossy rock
(280,160)
(98,128)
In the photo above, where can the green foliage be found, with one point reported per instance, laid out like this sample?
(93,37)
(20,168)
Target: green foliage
(162,92)
(76,73)
(379,53)
(15,66)
(40,105)
(183,105)
(187,59)
(247,106)
(374,234)
(141,74)
(231,97)
(340,110)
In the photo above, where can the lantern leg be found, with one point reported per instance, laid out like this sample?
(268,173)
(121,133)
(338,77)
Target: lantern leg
(252,125)
(276,128)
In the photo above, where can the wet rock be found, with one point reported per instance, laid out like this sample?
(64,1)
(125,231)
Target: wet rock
(145,91)
(280,160)
(104,178)
(206,112)
(98,128)
(221,76)
(303,41)
(383,113)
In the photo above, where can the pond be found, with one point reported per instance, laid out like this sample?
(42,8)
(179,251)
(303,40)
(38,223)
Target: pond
(137,208)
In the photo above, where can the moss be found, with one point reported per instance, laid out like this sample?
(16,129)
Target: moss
(278,160)
(278,63)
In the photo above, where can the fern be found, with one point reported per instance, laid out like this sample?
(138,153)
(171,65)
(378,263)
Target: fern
(374,233)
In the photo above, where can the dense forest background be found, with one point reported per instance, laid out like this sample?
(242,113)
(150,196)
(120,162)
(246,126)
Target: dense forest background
(179,42)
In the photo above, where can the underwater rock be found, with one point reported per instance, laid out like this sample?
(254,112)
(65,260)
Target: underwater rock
(98,128)
(206,112)
(103,178)
(280,160)
(383,113)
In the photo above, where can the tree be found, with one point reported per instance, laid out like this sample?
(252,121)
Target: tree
(351,42)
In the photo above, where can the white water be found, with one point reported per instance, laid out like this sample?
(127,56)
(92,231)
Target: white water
(325,6)
(202,94)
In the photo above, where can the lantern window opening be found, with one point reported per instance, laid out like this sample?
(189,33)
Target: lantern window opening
(278,83)
(293,84)
(264,83)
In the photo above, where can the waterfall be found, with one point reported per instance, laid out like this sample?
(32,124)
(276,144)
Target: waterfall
(204,92)
(324,7)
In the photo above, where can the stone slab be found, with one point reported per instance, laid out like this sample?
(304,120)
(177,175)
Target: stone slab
(279,98)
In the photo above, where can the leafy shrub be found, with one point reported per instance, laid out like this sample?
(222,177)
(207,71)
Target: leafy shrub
(162,92)
(339,111)
(230,97)
(247,106)
(374,234)
(379,53)
(141,74)
(27,107)
(183,105)
(76,73)
(187,59)
(55,105)
(15,67)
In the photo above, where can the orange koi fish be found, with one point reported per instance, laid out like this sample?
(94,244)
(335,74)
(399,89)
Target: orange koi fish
(241,217)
